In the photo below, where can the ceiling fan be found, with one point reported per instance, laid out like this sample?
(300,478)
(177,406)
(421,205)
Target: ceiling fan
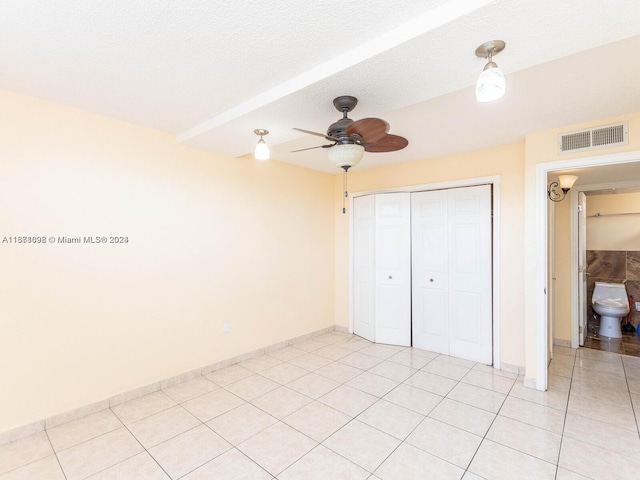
(352,138)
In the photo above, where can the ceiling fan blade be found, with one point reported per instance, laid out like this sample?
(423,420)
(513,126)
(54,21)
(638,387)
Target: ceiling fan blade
(323,135)
(370,130)
(311,148)
(389,143)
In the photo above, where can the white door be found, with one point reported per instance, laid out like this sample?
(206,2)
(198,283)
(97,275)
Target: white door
(393,268)
(582,267)
(452,284)
(364,266)
(470,299)
(430,270)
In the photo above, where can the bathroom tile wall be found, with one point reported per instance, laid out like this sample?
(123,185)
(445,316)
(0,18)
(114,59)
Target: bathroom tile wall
(615,267)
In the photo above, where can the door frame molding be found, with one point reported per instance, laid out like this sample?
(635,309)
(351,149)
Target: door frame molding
(541,271)
(493,180)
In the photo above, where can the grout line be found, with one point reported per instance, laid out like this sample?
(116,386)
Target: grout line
(633,408)
(64,474)
(566,412)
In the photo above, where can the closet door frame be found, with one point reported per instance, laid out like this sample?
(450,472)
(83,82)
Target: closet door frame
(492,180)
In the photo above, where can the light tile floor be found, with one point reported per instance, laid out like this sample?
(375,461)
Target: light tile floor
(338,407)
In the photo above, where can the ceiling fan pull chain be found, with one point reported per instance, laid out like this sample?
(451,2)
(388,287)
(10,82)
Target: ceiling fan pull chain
(346,193)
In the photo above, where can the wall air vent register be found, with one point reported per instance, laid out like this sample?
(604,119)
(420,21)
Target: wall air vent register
(594,138)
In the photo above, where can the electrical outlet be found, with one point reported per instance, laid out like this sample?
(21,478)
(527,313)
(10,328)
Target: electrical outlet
(637,306)
(225,327)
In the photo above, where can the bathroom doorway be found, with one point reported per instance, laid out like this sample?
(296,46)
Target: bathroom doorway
(611,227)
(593,233)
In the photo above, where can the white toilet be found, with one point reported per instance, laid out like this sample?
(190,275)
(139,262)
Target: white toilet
(609,300)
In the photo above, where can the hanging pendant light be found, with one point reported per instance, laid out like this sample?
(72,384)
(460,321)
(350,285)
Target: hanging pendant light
(262,149)
(491,84)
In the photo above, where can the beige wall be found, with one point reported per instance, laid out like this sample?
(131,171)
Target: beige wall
(542,147)
(620,232)
(211,239)
(562,270)
(508,163)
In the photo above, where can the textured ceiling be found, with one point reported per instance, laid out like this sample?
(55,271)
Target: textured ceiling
(211,72)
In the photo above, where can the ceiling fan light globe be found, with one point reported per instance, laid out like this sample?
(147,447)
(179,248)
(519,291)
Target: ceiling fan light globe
(491,85)
(262,151)
(345,155)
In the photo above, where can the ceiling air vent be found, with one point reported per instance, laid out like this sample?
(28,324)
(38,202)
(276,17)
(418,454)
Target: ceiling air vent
(592,138)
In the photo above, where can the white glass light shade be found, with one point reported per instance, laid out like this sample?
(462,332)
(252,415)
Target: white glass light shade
(567,181)
(345,155)
(262,150)
(491,85)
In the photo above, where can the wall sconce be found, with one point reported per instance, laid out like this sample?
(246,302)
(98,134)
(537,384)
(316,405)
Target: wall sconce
(491,85)
(566,182)
(262,149)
